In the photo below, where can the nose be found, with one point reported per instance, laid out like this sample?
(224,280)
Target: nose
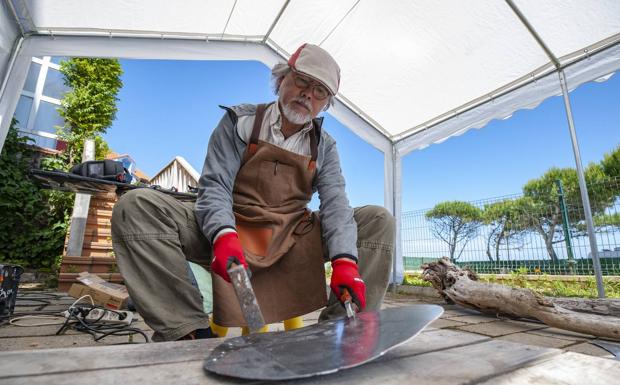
(307,93)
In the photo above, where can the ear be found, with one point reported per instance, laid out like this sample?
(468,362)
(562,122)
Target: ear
(329,103)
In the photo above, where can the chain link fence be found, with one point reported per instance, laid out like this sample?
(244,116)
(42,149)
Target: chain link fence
(540,232)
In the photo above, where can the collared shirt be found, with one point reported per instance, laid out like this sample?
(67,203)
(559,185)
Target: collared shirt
(271,132)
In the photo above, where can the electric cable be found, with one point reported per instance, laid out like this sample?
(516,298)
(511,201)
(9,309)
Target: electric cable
(74,318)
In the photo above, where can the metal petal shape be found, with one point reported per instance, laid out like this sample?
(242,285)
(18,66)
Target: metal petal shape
(321,348)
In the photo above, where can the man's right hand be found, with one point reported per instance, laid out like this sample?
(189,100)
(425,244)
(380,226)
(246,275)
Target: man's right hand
(226,251)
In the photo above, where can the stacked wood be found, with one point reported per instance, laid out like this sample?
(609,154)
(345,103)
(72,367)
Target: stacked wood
(595,317)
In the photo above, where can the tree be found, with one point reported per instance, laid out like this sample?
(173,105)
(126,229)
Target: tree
(89,108)
(611,163)
(542,202)
(32,228)
(455,223)
(504,220)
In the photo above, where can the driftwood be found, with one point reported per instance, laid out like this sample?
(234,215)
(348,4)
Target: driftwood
(462,287)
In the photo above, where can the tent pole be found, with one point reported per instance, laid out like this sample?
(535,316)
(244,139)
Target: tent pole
(16,47)
(394,210)
(583,188)
(398,270)
(12,85)
(393,202)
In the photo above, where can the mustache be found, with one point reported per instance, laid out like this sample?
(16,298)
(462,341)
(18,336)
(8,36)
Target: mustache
(303,102)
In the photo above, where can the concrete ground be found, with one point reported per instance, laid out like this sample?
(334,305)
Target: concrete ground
(13,337)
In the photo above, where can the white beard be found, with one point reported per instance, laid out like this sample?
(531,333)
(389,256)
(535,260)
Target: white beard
(294,116)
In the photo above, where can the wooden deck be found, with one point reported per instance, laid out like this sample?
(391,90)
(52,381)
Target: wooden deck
(460,348)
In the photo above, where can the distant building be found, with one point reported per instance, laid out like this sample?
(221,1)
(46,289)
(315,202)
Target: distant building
(177,174)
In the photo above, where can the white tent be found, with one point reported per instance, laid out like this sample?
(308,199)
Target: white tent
(414,72)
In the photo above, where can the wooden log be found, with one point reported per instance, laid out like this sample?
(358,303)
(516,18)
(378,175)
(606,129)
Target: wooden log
(602,306)
(462,287)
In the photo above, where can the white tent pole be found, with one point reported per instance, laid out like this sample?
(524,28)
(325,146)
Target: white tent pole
(583,188)
(392,189)
(398,269)
(16,75)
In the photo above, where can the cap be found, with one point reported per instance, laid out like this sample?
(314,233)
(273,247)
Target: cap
(315,62)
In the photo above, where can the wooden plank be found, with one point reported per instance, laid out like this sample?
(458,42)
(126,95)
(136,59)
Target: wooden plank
(452,366)
(33,363)
(567,369)
(72,341)
(12,331)
(80,358)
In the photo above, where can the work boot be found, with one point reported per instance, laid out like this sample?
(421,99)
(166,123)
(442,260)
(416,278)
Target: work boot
(199,334)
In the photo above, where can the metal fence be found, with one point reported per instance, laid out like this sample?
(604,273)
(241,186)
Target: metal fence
(534,233)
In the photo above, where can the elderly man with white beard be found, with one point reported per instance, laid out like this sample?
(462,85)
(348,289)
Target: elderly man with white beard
(264,162)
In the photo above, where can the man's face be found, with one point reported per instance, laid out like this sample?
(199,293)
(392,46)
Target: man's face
(301,98)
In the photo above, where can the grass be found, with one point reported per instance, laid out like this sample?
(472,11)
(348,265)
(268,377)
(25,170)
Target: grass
(547,287)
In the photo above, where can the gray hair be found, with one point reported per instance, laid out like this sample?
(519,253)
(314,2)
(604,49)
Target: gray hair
(279,71)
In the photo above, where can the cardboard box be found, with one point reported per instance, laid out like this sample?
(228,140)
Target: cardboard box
(104,293)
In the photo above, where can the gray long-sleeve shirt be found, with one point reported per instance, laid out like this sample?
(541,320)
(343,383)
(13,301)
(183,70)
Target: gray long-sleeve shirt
(226,148)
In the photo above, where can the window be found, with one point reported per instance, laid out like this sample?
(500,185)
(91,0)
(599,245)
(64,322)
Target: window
(58,59)
(22,112)
(47,118)
(44,142)
(33,76)
(54,84)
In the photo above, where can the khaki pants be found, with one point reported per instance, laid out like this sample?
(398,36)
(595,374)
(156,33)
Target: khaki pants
(154,235)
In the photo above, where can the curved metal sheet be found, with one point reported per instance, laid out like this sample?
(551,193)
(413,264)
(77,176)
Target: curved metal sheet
(321,348)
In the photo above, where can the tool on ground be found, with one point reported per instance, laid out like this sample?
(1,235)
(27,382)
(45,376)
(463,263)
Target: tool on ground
(347,300)
(247,299)
(322,348)
(9,282)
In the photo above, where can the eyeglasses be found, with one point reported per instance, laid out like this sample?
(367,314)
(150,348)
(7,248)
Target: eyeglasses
(318,90)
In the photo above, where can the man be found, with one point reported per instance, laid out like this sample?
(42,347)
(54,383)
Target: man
(263,164)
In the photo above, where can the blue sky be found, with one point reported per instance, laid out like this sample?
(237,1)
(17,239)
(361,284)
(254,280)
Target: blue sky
(170,108)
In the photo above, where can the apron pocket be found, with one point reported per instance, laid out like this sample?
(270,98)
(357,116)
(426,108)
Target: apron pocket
(275,181)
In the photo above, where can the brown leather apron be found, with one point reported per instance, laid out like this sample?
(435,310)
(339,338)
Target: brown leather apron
(281,238)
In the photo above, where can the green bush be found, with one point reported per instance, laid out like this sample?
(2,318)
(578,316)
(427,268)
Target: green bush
(33,221)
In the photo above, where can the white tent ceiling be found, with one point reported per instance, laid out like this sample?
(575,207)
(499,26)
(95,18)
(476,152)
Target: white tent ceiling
(414,72)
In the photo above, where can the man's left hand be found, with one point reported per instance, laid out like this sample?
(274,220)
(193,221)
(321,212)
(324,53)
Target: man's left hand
(345,275)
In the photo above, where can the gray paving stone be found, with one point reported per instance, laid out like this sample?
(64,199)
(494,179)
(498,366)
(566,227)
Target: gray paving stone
(498,328)
(536,340)
(564,334)
(446,323)
(473,319)
(589,349)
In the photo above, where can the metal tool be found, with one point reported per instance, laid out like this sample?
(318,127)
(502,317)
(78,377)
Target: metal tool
(347,300)
(247,299)
(322,348)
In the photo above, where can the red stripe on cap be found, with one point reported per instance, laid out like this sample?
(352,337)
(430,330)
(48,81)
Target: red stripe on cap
(293,59)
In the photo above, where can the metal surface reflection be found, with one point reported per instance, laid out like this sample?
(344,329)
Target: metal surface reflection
(321,348)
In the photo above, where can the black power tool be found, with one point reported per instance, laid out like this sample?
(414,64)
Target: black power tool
(9,280)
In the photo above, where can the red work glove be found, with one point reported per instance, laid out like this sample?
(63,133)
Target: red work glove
(346,275)
(226,251)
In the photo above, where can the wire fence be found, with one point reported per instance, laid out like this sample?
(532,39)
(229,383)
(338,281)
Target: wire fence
(542,231)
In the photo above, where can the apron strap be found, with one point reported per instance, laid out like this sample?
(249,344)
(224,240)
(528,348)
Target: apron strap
(314,151)
(314,142)
(258,122)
